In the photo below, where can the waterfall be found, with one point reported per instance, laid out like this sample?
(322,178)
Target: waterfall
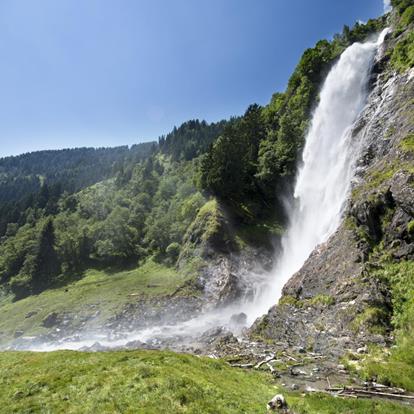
(322,186)
(325,175)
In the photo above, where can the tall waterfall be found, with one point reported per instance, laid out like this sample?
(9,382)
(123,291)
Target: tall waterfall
(324,178)
(321,190)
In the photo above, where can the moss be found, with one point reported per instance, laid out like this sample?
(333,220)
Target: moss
(390,132)
(374,319)
(316,301)
(410,227)
(376,178)
(324,300)
(402,57)
(210,223)
(349,223)
(289,300)
(208,214)
(407,144)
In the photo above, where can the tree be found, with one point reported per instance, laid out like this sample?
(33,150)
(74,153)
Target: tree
(45,265)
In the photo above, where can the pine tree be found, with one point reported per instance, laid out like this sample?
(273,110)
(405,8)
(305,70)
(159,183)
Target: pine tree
(46,264)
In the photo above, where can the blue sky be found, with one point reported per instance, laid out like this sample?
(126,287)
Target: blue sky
(112,72)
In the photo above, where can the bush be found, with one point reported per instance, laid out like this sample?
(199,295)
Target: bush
(408,16)
(173,251)
(402,57)
(20,286)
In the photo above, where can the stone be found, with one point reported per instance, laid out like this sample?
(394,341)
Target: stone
(51,320)
(278,404)
(30,314)
(238,319)
(362,350)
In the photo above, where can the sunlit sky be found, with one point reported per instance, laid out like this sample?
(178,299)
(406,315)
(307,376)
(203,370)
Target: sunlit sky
(113,72)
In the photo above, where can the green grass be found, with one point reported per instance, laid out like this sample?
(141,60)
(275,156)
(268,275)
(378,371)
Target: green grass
(373,319)
(98,291)
(149,382)
(395,366)
(402,57)
(315,301)
(407,144)
(209,216)
(410,227)
(323,404)
(407,17)
(378,177)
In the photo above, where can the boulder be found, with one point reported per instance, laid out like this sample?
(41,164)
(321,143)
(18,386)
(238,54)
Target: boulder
(51,320)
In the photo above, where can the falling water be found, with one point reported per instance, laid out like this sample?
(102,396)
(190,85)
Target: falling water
(321,190)
(324,179)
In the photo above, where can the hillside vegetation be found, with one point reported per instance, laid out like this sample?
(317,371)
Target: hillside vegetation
(95,298)
(67,211)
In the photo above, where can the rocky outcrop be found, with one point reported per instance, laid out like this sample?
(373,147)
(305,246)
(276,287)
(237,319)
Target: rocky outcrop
(334,303)
(225,267)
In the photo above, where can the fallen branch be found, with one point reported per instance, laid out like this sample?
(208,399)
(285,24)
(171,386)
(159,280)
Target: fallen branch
(242,365)
(265,361)
(272,370)
(385,394)
(369,393)
(290,358)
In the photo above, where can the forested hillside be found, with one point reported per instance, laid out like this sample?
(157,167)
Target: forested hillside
(38,179)
(63,212)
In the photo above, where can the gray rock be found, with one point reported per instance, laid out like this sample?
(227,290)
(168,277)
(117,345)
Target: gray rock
(238,319)
(51,320)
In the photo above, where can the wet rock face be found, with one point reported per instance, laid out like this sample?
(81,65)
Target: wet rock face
(228,278)
(327,306)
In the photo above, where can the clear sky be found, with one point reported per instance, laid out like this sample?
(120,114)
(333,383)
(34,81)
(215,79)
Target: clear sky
(113,72)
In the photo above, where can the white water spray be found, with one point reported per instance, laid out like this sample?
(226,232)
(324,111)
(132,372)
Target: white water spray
(329,156)
(321,190)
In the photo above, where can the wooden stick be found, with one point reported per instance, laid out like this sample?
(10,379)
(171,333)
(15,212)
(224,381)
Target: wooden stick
(364,392)
(242,365)
(265,361)
(272,370)
(385,394)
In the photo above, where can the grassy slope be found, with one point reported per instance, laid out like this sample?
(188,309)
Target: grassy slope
(97,291)
(148,382)
(396,365)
